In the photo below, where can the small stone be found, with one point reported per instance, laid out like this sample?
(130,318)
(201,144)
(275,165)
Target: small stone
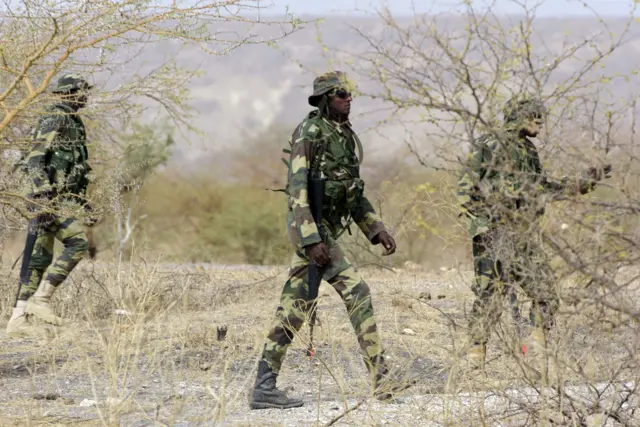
(441,296)
(86,403)
(113,401)
(47,396)
(205,366)
(408,331)
(411,265)
(68,401)
(425,295)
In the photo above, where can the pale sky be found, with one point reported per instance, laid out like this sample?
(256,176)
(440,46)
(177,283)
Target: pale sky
(406,7)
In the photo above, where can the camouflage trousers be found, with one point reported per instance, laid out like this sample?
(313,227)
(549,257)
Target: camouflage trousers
(503,261)
(294,307)
(71,233)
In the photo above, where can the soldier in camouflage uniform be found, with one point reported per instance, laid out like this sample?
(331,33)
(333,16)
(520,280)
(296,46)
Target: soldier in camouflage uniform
(502,192)
(57,177)
(325,143)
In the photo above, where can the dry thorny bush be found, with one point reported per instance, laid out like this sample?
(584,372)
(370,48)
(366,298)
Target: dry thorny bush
(134,325)
(446,79)
(106,41)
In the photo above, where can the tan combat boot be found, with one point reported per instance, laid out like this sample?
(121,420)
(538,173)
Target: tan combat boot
(19,326)
(465,375)
(475,372)
(38,304)
(476,357)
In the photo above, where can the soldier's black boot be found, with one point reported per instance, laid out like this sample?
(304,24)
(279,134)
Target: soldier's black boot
(265,394)
(386,385)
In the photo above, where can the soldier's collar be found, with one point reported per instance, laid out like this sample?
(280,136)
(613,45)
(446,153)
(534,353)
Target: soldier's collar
(338,125)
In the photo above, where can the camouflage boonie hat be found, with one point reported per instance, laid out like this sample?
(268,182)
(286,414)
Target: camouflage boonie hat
(71,81)
(523,108)
(325,83)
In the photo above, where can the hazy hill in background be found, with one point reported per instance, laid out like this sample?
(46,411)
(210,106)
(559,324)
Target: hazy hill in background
(257,87)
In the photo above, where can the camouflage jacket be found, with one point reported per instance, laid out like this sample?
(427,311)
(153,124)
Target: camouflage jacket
(57,163)
(329,148)
(503,180)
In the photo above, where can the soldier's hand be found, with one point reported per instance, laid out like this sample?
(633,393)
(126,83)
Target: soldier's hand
(388,243)
(319,254)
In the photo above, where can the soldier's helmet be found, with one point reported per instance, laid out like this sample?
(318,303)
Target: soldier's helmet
(325,83)
(71,81)
(518,108)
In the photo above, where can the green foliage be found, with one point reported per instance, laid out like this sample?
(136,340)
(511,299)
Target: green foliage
(147,146)
(198,218)
(251,224)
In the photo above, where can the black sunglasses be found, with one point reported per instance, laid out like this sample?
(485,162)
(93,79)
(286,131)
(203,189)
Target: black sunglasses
(342,94)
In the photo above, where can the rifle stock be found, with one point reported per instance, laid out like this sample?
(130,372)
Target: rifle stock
(32,235)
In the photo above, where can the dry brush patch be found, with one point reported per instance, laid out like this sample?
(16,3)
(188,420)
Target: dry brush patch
(447,85)
(142,343)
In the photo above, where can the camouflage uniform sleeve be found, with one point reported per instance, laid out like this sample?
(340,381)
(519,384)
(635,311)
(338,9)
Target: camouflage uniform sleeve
(565,186)
(301,155)
(45,137)
(368,220)
(468,181)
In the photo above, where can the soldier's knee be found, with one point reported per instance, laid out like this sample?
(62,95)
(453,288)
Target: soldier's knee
(350,277)
(362,289)
(78,244)
(40,261)
(358,295)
